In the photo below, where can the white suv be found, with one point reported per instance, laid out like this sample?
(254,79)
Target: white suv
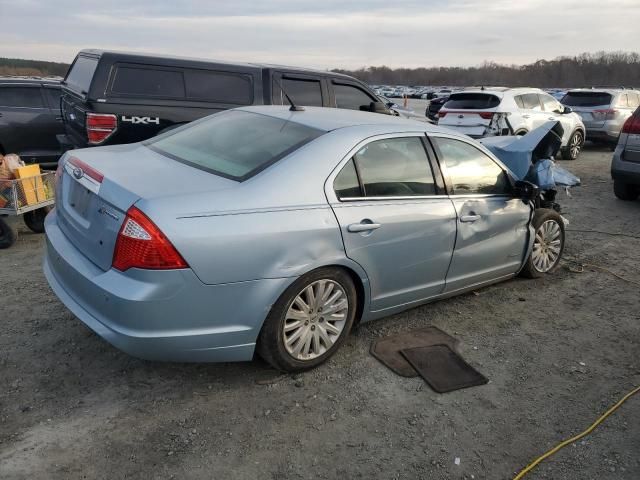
(511,111)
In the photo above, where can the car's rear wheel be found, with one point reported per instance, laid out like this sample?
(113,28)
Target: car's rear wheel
(573,148)
(309,321)
(35,219)
(548,244)
(8,234)
(625,191)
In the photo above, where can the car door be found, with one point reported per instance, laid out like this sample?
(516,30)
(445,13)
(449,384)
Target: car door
(533,114)
(553,109)
(396,222)
(493,226)
(24,116)
(54,125)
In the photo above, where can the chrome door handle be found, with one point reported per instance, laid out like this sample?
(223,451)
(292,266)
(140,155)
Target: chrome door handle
(362,227)
(469,218)
(526,116)
(552,118)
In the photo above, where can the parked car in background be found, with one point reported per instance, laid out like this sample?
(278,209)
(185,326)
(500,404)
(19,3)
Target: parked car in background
(30,119)
(356,216)
(511,111)
(434,107)
(625,166)
(114,97)
(603,110)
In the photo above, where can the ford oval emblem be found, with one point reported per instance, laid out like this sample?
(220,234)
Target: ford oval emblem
(78,173)
(460,116)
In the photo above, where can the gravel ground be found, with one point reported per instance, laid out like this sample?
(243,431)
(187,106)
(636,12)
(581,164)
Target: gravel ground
(558,352)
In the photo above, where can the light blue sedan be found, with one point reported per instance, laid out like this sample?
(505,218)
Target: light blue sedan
(270,230)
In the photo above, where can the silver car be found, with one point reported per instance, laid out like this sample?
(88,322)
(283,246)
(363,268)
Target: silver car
(603,110)
(266,229)
(625,165)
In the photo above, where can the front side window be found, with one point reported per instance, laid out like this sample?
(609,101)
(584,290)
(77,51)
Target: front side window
(53,96)
(471,171)
(234,144)
(25,97)
(148,82)
(301,91)
(350,97)
(394,167)
(549,103)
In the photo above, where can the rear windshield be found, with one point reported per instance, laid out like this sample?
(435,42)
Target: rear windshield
(81,73)
(472,101)
(234,144)
(586,99)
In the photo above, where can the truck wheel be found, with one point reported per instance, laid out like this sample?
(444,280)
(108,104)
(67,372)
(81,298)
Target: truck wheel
(309,321)
(625,191)
(35,219)
(8,234)
(548,244)
(572,150)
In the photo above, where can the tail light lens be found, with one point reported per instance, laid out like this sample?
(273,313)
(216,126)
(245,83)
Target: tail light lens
(632,125)
(442,114)
(100,126)
(141,244)
(485,115)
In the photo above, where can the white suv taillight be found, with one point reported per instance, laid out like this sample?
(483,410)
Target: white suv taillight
(141,244)
(100,126)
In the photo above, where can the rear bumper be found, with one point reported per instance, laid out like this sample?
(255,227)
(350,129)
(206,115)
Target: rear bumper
(159,315)
(605,134)
(624,170)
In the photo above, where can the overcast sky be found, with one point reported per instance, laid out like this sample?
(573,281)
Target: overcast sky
(323,33)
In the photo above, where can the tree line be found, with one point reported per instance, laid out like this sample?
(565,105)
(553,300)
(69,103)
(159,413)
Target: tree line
(18,66)
(587,69)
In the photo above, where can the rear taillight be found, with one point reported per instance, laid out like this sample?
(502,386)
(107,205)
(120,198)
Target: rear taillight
(632,125)
(100,126)
(605,114)
(485,115)
(442,114)
(141,244)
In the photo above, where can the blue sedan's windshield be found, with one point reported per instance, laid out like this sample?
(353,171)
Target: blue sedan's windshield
(234,144)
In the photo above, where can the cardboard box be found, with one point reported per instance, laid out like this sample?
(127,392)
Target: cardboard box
(30,187)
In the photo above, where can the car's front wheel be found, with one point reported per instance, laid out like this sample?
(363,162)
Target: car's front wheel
(309,321)
(625,191)
(572,150)
(548,244)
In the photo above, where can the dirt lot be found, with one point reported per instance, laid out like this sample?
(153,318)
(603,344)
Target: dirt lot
(558,351)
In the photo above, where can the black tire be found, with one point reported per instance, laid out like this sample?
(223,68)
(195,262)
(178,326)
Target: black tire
(35,219)
(271,346)
(574,146)
(626,191)
(8,234)
(521,133)
(540,217)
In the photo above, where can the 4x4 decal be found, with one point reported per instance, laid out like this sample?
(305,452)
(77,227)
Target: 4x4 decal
(142,120)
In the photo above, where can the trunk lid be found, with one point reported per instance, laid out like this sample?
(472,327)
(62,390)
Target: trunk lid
(97,186)
(470,113)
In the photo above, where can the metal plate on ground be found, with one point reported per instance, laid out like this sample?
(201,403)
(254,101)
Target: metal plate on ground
(387,349)
(442,368)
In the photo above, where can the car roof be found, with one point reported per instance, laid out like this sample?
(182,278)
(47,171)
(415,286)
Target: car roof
(138,56)
(329,119)
(501,90)
(611,91)
(34,80)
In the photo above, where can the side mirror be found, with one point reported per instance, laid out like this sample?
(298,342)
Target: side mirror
(526,191)
(567,110)
(377,107)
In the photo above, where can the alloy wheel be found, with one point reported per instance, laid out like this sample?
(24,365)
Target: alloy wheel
(315,319)
(575,145)
(547,246)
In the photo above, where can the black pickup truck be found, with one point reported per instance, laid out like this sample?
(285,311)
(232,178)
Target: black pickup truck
(114,97)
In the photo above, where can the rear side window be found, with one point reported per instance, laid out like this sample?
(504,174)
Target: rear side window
(234,144)
(587,99)
(301,91)
(346,184)
(25,97)
(519,101)
(549,103)
(633,99)
(531,101)
(81,73)
(470,170)
(218,87)
(350,97)
(622,101)
(472,101)
(148,82)
(395,167)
